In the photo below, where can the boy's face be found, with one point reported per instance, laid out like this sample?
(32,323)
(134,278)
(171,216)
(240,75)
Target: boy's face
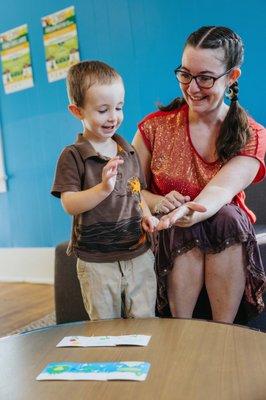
(102,113)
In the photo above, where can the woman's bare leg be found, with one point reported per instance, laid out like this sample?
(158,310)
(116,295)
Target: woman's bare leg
(225,282)
(185,282)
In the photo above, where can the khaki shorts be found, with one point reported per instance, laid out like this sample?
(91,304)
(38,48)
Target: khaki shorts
(104,285)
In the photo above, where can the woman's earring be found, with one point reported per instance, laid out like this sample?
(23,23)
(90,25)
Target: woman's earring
(229,93)
(232,92)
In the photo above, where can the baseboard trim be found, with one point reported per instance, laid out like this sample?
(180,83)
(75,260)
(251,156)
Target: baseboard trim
(27,279)
(34,265)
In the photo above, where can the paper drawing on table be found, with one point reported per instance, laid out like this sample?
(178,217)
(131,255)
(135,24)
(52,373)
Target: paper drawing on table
(99,371)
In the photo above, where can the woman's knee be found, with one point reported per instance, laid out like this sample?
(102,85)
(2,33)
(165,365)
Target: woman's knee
(229,217)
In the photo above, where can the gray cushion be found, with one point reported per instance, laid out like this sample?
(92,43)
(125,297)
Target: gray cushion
(69,305)
(255,200)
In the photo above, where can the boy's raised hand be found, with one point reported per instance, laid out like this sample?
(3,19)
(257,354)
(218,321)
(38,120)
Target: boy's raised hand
(109,173)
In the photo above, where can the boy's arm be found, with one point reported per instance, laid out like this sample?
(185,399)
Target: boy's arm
(145,207)
(75,203)
(149,222)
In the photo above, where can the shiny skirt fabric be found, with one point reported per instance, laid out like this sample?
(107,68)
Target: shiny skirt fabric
(227,227)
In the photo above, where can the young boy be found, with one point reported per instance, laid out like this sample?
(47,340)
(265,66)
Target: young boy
(99,180)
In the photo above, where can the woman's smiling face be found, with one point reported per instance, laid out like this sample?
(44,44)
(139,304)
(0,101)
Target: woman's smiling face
(198,61)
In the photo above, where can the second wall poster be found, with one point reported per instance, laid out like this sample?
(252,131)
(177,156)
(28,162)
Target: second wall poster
(60,42)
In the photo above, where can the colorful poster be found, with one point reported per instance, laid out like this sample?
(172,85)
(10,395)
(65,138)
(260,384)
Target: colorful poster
(60,43)
(16,60)
(96,371)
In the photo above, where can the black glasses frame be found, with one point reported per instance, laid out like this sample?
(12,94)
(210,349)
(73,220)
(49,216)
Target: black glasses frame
(214,78)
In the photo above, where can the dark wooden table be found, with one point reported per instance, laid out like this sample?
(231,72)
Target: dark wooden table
(190,360)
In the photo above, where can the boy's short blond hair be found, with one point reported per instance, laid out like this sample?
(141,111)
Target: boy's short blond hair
(83,75)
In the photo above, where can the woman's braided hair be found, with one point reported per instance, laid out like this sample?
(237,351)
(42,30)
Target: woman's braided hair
(234,131)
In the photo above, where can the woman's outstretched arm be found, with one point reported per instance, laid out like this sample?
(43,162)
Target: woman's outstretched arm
(233,177)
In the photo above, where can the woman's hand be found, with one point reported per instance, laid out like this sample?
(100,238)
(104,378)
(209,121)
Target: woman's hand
(170,202)
(182,216)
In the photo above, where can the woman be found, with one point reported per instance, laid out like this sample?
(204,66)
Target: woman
(199,148)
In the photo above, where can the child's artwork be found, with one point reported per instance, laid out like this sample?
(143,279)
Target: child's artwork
(60,42)
(99,341)
(104,371)
(16,59)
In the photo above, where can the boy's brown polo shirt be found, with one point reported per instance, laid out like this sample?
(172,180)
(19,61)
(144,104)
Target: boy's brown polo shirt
(112,230)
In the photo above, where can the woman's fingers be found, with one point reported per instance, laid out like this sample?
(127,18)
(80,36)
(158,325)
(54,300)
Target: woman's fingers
(176,198)
(170,202)
(187,209)
(195,206)
(166,206)
(178,214)
(173,201)
(168,220)
(163,224)
(171,198)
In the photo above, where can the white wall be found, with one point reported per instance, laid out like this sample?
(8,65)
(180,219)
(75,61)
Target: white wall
(27,264)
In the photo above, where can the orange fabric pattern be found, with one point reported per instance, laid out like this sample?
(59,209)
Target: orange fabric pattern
(175,163)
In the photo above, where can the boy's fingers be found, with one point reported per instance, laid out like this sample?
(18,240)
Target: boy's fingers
(155,221)
(116,160)
(146,226)
(110,174)
(112,166)
(115,163)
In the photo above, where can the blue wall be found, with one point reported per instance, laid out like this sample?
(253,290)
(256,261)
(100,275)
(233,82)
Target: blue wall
(143,39)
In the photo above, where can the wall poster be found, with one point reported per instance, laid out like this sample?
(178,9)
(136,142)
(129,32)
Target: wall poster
(16,60)
(60,42)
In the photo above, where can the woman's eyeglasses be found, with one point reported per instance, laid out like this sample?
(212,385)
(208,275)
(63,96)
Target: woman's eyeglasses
(203,81)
